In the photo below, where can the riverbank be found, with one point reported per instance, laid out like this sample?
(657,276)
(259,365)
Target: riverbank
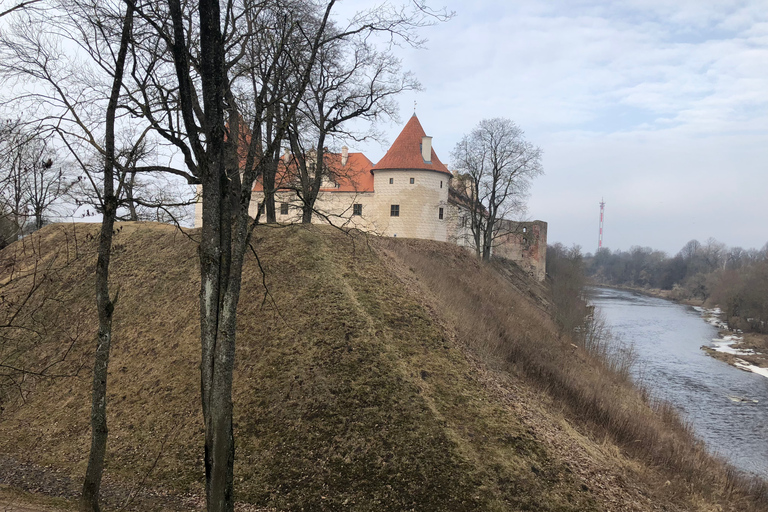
(748,352)
(745,351)
(654,292)
(667,340)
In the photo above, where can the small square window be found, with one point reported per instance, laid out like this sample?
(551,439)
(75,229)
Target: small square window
(394,210)
(440,214)
(283,208)
(357,209)
(391,180)
(412,181)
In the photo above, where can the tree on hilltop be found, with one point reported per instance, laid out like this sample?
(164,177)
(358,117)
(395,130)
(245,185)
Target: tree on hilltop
(191,73)
(34,178)
(497,165)
(352,80)
(241,62)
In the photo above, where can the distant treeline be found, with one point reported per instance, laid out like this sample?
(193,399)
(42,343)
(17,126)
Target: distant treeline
(733,278)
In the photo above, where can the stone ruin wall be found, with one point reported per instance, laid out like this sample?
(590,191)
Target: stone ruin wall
(525,243)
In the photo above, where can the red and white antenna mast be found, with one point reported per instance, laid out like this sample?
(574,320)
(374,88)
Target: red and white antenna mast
(602,211)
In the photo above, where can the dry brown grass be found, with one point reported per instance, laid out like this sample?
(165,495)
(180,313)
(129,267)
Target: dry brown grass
(581,373)
(347,393)
(354,386)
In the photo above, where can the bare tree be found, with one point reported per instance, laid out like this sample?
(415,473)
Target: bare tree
(83,104)
(690,250)
(191,82)
(15,156)
(141,196)
(47,183)
(16,7)
(498,165)
(32,177)
(226,227)
(211,108)
(351,81)
(89,500)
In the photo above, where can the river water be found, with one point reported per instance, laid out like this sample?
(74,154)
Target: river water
(668,339)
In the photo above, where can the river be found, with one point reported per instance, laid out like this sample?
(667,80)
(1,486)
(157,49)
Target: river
(667,338)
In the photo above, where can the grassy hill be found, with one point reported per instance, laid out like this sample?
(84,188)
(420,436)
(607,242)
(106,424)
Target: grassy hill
(371,374)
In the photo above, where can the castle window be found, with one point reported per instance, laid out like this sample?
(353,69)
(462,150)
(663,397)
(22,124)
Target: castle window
(463,222)
(283,208)
(440,214)
(391,180)
(357,209)
(525,230)
(394,210)
(441,183)
(412,181)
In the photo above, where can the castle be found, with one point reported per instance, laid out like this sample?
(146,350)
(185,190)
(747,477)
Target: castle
(408,193)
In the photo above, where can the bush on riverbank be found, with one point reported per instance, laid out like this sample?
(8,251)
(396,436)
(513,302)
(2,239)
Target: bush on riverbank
(742,296)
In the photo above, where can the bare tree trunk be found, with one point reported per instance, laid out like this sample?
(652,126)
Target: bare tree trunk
(306,210)
(268,179)
(222,249)
(217,350)
(310,173)
(217,328)
(315,181)
(38,219)
(89,501)
(129,182)
(488,239)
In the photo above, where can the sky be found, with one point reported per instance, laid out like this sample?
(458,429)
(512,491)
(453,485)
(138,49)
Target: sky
(658,108)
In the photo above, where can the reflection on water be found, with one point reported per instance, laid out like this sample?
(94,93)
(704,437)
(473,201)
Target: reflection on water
(668,337)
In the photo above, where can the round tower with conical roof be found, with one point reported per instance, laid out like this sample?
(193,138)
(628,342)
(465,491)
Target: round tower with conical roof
(411,185)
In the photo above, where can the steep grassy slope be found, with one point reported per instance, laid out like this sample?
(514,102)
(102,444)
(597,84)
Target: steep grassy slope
(364,380)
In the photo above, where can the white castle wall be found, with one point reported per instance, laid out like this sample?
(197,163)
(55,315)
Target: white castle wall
(336,206)
(419,203)
(199,207)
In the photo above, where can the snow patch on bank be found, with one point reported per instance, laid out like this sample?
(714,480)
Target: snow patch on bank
(743,365)
(712,317)
(725,342)
(725,345)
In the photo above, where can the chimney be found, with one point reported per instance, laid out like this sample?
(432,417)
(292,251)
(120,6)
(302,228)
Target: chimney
(426,149)
(344,155)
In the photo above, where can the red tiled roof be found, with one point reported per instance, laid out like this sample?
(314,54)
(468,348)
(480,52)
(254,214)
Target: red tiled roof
(405,152)
(355,176)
